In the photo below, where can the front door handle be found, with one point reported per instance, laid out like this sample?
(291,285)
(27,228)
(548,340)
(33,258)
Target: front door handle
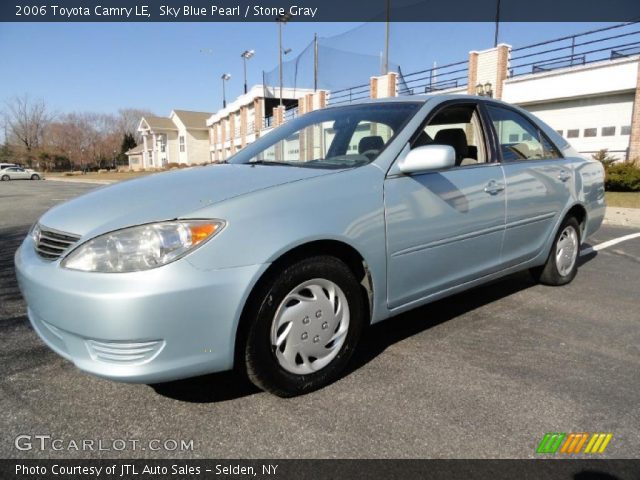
(563,176)
(494,187)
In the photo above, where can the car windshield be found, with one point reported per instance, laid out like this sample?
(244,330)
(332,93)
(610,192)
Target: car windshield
(339,137)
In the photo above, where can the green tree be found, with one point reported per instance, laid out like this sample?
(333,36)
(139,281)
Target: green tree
(128,142)
(6,154)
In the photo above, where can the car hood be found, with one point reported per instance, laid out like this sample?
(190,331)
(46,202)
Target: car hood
(166,196)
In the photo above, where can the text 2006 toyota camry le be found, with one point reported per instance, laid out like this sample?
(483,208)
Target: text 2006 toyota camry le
(275,262)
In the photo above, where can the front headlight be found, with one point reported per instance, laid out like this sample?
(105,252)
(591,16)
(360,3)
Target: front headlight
(141,248)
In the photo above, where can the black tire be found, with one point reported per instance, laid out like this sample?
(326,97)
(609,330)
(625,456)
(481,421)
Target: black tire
(6,178)
(548,274)
(259,358)
(35,177)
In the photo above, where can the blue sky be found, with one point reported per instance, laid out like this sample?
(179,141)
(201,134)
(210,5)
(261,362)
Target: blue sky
(159,66)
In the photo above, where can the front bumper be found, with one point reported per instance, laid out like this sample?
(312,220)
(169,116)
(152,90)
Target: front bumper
(172,322)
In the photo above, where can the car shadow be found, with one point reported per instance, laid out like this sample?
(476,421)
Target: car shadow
(230,385)
(10,239)
(213,388)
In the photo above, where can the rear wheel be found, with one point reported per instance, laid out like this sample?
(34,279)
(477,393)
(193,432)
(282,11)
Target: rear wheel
(6,178)
(35,177)
(307,322)
(562,264)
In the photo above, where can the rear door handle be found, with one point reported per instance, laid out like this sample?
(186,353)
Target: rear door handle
(563,176)
(494,187)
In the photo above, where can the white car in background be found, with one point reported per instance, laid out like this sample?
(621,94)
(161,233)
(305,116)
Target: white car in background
(19,173)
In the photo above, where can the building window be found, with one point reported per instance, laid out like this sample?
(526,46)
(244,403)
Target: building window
(182,149)
(625,130)
(573,133)
(559,132)
(608,131)
(514,137)
(590,132)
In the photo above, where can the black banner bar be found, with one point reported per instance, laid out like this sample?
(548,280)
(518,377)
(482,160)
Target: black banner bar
(318,10)
(581,469)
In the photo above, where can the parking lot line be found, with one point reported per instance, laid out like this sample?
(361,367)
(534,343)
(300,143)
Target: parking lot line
(609,243)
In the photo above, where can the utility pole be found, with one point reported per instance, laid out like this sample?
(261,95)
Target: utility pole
(495,37)
(385,66)
(281,19)
(315,62)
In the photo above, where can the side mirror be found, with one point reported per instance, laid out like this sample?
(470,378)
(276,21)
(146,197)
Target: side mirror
(429,157)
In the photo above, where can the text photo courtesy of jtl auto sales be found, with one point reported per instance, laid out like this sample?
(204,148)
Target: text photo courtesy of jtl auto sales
(394,239)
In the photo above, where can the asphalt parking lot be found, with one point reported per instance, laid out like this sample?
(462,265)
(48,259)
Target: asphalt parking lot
(484,374)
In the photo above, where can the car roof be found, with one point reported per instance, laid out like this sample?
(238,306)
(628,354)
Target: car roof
(422,99)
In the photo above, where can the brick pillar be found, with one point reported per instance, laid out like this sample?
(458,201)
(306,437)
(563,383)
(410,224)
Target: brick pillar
(320,99)
(232,131)
(214,140)
(373,87)
(384,85)
(472,73)
(243,125)
(303,108)
(502,69)
(489,66)
(278,115)
(223,137)
(634,138)
(258,115)
(392,84)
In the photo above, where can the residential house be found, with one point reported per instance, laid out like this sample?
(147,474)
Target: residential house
(179,138)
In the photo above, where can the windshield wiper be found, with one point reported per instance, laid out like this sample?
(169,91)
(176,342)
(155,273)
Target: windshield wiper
(272,162)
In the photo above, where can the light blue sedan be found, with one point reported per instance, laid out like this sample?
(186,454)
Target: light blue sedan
(275,262)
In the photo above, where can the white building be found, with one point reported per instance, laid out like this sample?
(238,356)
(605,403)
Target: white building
(249,116)
(181,138)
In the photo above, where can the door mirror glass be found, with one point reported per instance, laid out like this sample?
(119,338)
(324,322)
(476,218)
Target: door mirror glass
(429,157)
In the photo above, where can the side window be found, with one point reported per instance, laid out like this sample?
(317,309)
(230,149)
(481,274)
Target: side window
(519,139)
(459,127)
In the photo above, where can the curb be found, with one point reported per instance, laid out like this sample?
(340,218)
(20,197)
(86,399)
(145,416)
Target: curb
(80,180)
(627,217)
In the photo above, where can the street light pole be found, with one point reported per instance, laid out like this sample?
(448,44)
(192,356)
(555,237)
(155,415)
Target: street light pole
(246,55)
(224,77)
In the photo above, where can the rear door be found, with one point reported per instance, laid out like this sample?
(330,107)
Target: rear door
(537,181)
(445,228)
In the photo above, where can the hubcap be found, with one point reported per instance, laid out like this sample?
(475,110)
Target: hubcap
(310,326)
(566,251)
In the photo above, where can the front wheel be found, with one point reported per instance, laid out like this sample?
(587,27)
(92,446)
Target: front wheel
(35,177)
(307,322)
(562,264)
(6,178)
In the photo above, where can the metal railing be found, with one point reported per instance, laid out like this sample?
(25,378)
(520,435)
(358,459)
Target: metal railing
(348,95)
(609,43)
(435,79)
(290,113)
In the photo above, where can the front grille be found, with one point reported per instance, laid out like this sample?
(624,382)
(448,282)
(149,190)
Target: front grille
(51,244)
(124,353)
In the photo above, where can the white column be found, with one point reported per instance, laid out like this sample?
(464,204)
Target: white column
(153,149)
(144,153)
